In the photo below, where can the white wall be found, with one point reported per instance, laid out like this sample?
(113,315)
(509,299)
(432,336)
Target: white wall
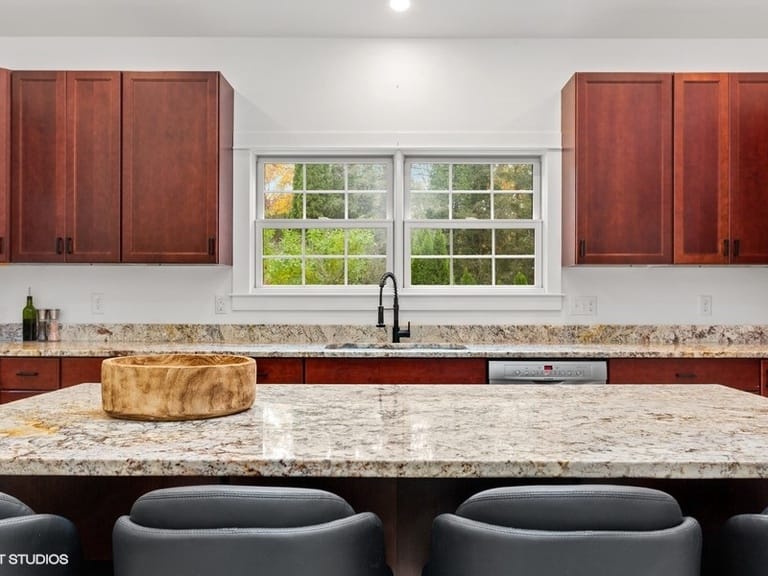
(370,93)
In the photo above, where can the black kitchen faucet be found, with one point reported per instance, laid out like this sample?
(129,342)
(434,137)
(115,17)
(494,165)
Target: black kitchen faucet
(397,333)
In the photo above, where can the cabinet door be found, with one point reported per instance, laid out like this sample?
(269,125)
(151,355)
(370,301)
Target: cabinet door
(395,371)
(5,163)
(749,168)
(701,169)
(279,370)
(93,167)
(29,373)
(741,373)
(79,370)
(171,167)
(38,166)
(617,169)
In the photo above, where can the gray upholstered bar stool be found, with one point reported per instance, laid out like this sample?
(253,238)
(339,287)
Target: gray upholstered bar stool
(744,545)
(578,530)
(247,530)
(39,544)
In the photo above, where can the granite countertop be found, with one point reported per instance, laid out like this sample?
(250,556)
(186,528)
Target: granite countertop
(451,431)
(384,350)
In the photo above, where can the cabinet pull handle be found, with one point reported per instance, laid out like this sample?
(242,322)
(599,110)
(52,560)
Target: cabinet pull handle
(69,244)
(685,375)
(262,374)
(211,246)
(726,247)
(736,248)
(582,248)
(2,244)
(59,245)
(27,373)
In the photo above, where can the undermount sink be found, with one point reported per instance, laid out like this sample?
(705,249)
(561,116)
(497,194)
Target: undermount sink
(177,386)
(395,346)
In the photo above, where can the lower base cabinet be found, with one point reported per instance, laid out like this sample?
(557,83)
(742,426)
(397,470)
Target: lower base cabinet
(742,373)
(395,370)
(21,377)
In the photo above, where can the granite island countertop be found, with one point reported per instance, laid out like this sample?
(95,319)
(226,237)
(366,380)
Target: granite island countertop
(405,431)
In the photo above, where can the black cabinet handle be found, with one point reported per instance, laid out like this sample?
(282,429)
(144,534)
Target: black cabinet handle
(736,248)
(70,244)
(262,375)
(726,247)
(582,248)
(685,375)
(59,245)
(2,244)
(211,246)
(27,373)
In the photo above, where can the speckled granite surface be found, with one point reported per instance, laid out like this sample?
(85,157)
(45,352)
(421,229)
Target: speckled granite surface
(673,431)
(484,341)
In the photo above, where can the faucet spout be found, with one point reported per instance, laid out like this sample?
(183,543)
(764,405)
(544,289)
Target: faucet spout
(397,332)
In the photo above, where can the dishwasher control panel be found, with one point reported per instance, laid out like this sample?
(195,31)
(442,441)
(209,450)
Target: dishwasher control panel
(544,371)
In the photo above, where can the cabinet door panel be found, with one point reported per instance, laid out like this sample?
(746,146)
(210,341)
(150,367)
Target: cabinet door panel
(170,167)
(279,371)
(395,371)
(38,166)
(79,370)
(749,168)
(741,373)
(701,169)
(93,167)
(11,395)
(624,168)
(5,164)
(29,373)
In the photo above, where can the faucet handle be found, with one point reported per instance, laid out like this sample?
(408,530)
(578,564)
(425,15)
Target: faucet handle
(407,332)
(380,323)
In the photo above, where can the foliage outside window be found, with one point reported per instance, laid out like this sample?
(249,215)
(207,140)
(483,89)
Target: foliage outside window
(323,222)
(472,222)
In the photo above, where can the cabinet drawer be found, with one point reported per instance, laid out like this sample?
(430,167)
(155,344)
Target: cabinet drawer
(279,370)
(29,373)
(11,395)
(395,370)
(741,373)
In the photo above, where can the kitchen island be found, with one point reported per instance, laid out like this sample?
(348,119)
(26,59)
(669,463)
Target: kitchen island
(405,452)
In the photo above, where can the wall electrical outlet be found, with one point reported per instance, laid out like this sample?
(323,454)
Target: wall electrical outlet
(220,304)
(705,305)
(584,305)
(97,303)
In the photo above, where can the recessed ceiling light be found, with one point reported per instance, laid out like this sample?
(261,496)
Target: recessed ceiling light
(399,5)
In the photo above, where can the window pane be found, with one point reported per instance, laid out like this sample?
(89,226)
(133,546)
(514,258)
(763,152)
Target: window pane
(280,177)
(329,271)
(430,271)
(429,241)
(513,206)
(368,205)
(514,271)
(367,177)
(429,206)
(367,242)
(515,242)
(282,271)
(282,242)
(513,177)
(282,205)
(325,177)
(428,176)
(472,271)
(366,270)
(472,242)
(325,241)
(472,206)
(471,177)
(325,206)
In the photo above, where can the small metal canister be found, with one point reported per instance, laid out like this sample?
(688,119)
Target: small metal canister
(42,324)
(53,334)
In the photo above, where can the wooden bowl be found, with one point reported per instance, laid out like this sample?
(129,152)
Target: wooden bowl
(177,386)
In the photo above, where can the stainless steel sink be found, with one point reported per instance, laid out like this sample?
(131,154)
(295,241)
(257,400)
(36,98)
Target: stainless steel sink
(395,346)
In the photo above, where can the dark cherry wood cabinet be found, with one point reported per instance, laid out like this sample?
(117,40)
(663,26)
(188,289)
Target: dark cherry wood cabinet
(65,169)
(177,167)
(23,377)
(749,168)
(5,164)
(279,370)
(77,370)
(395,371)
(742,373)
(702,197)
(617,168)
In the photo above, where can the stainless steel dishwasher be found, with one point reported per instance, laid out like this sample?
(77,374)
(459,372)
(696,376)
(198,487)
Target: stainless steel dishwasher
(547,371)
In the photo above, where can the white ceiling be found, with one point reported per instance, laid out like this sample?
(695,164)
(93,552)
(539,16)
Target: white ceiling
(373,18)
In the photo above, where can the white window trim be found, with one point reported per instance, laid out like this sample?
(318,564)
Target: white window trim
(357,302)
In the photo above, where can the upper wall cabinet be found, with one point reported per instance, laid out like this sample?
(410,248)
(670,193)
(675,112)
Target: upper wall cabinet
(617,169)
(721,168)
(5,163)
(65,167)
(177,167)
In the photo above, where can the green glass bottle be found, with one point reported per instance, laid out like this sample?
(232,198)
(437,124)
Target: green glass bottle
(29,319)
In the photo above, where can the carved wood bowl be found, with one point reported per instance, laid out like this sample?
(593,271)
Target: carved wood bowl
(177,386)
